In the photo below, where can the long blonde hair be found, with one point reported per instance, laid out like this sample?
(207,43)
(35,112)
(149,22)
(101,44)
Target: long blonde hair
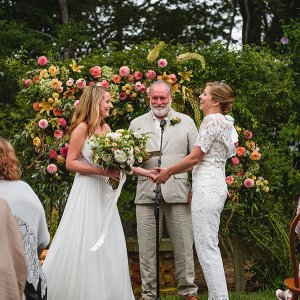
(88,109)
(222,93)
(9,163)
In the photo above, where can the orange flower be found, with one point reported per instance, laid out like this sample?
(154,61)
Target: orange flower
(240,151)
(255,155)
(116,78)
(56,84)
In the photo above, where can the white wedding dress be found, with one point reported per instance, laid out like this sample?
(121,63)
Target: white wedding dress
(209,194)
(73,271)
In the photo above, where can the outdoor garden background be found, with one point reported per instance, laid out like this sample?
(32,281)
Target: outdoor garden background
(50,51)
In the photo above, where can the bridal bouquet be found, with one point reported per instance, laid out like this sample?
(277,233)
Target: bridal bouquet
(121,149)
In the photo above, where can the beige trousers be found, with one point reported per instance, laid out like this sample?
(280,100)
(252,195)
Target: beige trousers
(179,226)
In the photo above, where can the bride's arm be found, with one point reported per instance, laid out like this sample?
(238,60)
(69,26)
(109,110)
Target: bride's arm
(77,141)
(143,172)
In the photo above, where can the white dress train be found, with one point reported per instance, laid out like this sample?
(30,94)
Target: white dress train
(73,271)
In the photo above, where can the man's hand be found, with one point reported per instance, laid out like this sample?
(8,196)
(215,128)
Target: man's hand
(163,175)
(112,173)
(153,175)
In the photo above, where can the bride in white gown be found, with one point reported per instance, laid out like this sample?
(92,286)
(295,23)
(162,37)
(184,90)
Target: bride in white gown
(73,271)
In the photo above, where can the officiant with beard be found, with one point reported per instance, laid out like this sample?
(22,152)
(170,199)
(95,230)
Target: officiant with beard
(178,140)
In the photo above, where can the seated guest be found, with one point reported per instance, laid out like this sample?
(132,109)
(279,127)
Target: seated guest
(13,269)
(30,216)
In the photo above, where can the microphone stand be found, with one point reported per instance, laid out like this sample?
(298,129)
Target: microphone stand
(157,192)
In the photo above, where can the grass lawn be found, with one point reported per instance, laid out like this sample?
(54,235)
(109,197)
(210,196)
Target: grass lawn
(263,295)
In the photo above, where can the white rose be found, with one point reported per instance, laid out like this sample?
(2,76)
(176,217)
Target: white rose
(120,156)
(137,135)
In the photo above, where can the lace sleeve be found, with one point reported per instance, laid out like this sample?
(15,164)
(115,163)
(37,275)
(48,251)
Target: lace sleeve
(207,134)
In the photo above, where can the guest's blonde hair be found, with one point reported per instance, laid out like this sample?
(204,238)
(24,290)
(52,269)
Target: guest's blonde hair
(88,109)
(9,163)
(222,93)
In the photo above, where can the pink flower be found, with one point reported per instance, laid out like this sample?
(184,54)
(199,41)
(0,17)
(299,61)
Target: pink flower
(76,103)
(162,63)
(58,134)
(229,180)
(284,40)
(248,183)
(70,82)
(138,75)
(124,71)
(96,71)
(62,122)
(235,160)
(104,83)
(52,154)
(123,96)
(81,83)
(52,168)
(42,61)
(27,82)
(139,87)
(60,89)
(150,74)
(173,78)
(247,134)
(63,151)
(43,123)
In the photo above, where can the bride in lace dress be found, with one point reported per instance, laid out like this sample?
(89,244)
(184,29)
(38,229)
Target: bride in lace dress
(214,145)
(75,272)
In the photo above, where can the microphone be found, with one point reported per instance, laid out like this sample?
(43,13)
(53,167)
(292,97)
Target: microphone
(163,123)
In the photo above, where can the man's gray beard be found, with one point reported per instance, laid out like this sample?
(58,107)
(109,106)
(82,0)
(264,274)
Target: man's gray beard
(161,112)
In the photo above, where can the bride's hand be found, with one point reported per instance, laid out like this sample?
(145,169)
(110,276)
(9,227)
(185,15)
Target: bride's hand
(152,174)
(112,173)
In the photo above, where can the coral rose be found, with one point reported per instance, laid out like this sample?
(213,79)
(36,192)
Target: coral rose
(96,71)
(130,78)
(70,82)
(57,112)
(229,180)
(116,78)
(62,122)
(104,83)
(42,61)
(150,74)
(240,151)
(81,83)
(123,96)
(58,134)
(247,134)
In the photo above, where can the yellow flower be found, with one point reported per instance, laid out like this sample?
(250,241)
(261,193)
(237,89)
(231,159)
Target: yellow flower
(250,145)
(36,141)
(44,74)
(133,95)
(60,159)
(129,108)
(175,88)
(238,129)
(185,76)
(53,70)
(75,67)
(188,56)
(55,95)
(165,78)
(186,92)
(48,105)
(154,53)
(265,189)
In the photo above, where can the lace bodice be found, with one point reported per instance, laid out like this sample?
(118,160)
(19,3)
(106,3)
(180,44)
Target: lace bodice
(86,155)
(215,140)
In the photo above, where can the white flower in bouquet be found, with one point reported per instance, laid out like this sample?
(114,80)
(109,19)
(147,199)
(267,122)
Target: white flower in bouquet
(120,156)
